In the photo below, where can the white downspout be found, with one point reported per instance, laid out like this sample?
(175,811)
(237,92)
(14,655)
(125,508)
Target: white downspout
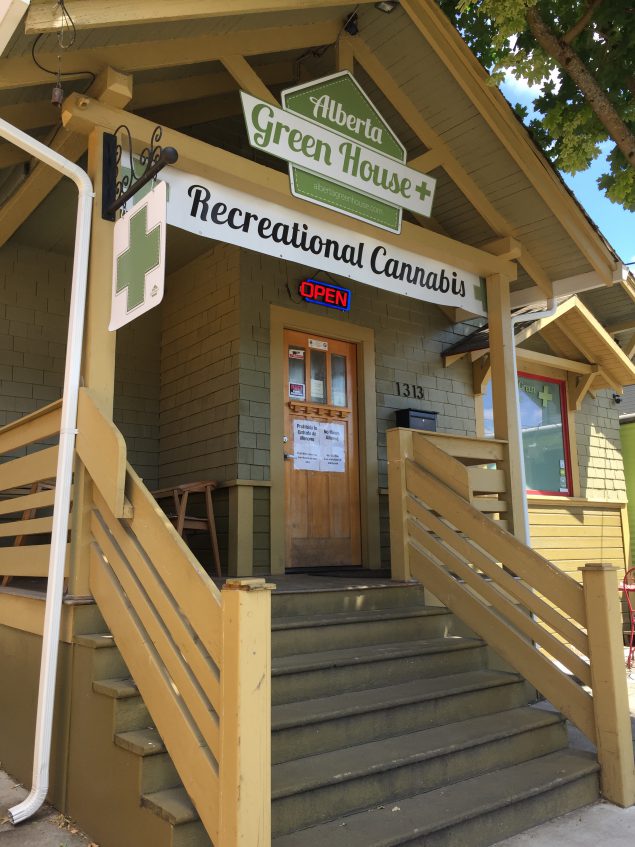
(61,507)
(534,316)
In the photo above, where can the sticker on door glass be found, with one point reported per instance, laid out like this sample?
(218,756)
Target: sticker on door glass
(315,344)
(319,447)
(317,390)
(296,391)
(296,353)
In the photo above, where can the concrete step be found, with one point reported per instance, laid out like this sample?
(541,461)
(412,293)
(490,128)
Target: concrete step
(157,770)
(309,675)
(478,811)
(312,633)
(107,660)
(174,806)
(327,723)
(130,711)
(317,788)
(371,597)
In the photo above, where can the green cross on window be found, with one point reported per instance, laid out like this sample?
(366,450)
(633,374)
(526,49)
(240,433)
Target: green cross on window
(545,395)
(142,256)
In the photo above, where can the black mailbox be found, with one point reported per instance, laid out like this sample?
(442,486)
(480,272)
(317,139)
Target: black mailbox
(414,419)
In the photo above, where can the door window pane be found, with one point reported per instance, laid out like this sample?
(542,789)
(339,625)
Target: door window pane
(338,380)
(544,432)
(297,378)
(318,376)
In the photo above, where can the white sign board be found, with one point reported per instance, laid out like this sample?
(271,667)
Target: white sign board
(319,446)
(138,270)
(225,214)
(349,163)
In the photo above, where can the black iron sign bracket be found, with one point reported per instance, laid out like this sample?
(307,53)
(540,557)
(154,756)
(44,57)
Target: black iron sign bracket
(117,191)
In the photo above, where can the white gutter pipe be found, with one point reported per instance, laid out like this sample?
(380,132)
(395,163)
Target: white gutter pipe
(61,507)
(534,316)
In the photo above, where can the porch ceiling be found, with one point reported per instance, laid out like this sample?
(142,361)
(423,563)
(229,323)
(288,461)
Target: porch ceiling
(411,63)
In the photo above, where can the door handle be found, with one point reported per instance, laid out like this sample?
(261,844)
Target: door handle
(289,455)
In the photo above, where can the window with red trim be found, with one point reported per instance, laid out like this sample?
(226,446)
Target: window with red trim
(543,420)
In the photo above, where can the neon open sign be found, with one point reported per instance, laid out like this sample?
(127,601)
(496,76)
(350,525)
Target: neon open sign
(325,294)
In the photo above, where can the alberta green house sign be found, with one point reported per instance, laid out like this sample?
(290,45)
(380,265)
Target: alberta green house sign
(341,152)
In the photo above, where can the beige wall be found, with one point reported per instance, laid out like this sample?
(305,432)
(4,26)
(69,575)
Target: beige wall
(34,296)
(199,370)
(599,448)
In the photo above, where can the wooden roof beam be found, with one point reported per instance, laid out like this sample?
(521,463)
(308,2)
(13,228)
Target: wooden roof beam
(95,14)
(457,173)
(247,79)
(111,88)
(81,114)
(198,86)
(20,71)
(10,155)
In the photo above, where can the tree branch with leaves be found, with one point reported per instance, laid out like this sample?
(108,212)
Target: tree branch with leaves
(581,55)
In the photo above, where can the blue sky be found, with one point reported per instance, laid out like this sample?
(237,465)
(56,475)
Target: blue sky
(616,224)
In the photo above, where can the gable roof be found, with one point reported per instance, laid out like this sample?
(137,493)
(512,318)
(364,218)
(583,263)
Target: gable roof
(573,334)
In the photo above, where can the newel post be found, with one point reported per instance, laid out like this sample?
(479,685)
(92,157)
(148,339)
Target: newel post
(245,720)
(608,677)
(399,451)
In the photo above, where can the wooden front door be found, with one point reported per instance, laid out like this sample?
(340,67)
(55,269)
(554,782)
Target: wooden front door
(321,452)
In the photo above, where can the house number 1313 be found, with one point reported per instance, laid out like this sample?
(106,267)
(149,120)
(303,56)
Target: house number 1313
(408,389)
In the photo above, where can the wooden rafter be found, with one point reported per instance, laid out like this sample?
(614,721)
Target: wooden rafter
(112,88)
(94,14)
(81,114)
(247,79)
(10,155)
(578,386)
(472,78)
(457,173)
(481,372)
(628,346)
(559,362)
(507,246)
(146,55)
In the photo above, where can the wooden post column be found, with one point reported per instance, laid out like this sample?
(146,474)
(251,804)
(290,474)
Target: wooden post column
(98,363)
(608,678)
(245,722)
(506,418)
(399,451)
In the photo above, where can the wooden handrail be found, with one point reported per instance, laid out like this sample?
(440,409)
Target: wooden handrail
(35,426)
(529,610)
(201,658)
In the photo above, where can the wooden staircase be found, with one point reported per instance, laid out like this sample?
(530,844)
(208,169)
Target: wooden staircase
(391,725)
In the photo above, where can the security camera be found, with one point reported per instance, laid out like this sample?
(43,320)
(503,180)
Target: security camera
(617,398)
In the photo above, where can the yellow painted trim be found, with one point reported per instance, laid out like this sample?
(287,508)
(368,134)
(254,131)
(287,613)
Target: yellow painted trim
(364,337)
(23,610)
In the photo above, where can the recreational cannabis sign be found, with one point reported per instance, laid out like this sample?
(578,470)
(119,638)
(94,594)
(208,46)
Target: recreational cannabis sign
(225,214)
(341,152)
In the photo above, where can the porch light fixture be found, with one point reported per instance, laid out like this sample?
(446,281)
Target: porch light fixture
(11,13)
(387,6)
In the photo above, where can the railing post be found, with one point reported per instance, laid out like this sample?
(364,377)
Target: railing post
(245,722)
(399,450)
(608,677)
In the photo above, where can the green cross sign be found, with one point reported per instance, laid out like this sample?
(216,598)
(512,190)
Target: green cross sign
(423,190)
(139,259)
(545,395)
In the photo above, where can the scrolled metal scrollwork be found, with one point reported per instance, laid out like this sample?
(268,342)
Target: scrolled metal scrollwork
(118,187)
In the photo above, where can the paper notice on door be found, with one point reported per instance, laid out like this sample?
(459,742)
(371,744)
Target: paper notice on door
(319,447)
(306,446)
(333,448)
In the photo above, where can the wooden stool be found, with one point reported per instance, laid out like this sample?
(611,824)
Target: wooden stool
(182,521)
